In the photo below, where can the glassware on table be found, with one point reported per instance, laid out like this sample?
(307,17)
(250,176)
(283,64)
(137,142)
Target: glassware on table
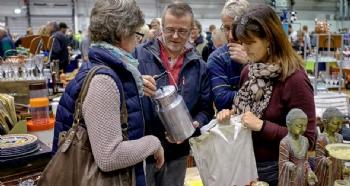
(39,62)
(29,67)
(15,67)
(6,66)
(2,72)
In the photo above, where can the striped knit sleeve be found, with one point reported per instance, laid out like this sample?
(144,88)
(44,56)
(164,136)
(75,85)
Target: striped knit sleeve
(101,112)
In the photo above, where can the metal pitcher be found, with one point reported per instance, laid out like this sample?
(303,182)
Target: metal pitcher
(173,113)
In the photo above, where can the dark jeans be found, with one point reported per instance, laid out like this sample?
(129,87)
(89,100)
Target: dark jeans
(171,174)
(268,172)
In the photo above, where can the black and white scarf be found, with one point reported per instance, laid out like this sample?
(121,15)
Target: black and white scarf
(255,94)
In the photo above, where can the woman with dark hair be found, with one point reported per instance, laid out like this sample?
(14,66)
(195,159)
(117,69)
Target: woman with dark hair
(273,83)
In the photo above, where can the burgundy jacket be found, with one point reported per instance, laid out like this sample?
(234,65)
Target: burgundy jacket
(295,92)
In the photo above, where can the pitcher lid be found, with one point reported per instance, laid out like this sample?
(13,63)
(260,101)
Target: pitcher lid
(165,91)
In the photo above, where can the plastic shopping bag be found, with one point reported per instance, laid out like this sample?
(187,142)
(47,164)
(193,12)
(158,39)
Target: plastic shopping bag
(224,154)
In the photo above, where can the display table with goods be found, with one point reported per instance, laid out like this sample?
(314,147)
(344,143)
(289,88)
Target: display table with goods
(23,155)
(30,87)
(24,161)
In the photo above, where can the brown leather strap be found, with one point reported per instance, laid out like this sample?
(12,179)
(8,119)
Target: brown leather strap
(124,115)
(79,103)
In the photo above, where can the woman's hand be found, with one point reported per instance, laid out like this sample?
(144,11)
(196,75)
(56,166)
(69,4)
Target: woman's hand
(224,116)
(159,157)
(149,85)
(252,122)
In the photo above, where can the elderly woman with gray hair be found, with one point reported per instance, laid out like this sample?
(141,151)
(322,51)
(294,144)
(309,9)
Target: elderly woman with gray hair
(113,27)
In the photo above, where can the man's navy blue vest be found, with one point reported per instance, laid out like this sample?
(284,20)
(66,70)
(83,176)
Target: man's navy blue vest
(124,81)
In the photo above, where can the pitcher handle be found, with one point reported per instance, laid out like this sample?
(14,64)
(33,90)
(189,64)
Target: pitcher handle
(160,76)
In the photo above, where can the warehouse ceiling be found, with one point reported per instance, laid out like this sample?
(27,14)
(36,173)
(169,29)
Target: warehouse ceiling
(206,9)
(42,11)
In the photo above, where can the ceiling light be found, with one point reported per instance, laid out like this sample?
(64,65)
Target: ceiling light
(17,11)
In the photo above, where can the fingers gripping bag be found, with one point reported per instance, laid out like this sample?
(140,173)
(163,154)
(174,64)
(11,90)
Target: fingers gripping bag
(224,154)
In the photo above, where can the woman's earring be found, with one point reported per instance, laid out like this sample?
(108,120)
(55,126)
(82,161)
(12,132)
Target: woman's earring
(268,50)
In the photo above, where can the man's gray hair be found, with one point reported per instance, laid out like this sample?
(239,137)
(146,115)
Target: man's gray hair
(178,9)
(235,8)
(112,20)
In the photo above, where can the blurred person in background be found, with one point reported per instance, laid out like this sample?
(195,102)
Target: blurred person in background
(29,32)
(225,63)
(60,45)
(208,48)
(113,24)
(299,44)
(156,26)
(307,38)
(44,31)
(218,39)
(72,42)
(151,35)
(292,34)
(79,36)
(209,33)
(173,53)
(196,37)
(84,47)
(6,42)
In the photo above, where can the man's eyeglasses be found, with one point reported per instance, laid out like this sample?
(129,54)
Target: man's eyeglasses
(180,32)
(225,28)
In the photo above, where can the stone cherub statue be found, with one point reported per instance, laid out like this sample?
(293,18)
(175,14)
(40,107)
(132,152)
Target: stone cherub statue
(294,169)
(329,169)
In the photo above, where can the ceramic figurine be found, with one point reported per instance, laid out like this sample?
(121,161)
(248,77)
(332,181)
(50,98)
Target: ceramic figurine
(329,169)
(294,169)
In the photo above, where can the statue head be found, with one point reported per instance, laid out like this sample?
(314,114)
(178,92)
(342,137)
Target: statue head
(332,119)
(296,121)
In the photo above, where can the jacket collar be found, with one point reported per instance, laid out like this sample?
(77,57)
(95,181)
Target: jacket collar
(153,47)
(101,56)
